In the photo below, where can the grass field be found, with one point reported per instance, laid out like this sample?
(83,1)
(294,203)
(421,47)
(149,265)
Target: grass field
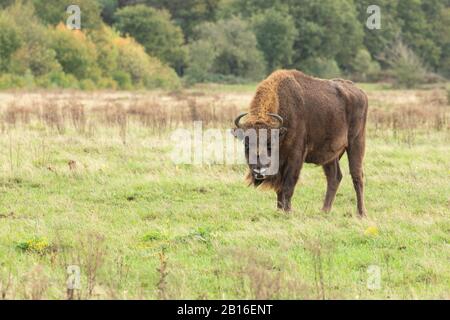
(86,180)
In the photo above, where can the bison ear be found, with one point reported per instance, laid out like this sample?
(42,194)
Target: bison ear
(283,131)
(237,133)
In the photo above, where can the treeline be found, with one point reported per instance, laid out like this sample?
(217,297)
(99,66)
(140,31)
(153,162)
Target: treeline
(163,43)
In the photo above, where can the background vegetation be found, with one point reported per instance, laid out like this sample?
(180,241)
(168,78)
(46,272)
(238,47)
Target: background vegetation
(160,43)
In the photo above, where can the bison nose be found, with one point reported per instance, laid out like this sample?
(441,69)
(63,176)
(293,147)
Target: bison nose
(260,171)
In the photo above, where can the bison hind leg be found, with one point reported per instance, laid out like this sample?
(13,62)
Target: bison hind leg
(334,177)
(355,152)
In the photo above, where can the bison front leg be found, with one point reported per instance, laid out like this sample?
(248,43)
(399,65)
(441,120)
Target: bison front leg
(289,181)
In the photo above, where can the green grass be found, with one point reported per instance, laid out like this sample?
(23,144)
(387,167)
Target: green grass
(132,219)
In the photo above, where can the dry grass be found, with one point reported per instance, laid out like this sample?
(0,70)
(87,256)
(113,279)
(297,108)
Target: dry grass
(392,110)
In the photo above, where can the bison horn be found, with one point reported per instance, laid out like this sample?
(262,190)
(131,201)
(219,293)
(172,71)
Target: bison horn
(236,121)
(278,117)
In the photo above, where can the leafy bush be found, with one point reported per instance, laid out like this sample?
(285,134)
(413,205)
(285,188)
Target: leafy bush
(155,31)
(406,66)
(75,52)
(107,83)
(321,67)
(57,79)
(364,67)
(87,84)
(123,80)
(145,71)
(230,49)
(8,80)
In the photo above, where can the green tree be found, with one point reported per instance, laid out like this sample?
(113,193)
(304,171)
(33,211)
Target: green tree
(188,13)
(107,51)
(144,70)
(364,68)
(417,31)
(6,3)
(233,50)
(35,54)
(276,33)
(248,8)
(444,41)
(328,29)
(108,8)
(54,12)
(75,52)
(202,55)
(155,31)
(377,40)
(10,40)
(438,17)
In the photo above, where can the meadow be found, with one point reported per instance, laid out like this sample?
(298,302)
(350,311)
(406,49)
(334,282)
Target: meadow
(86,180)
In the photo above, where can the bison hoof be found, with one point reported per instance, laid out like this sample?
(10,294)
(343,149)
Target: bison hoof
(326,209)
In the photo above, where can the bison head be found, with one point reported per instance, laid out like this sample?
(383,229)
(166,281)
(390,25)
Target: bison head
(262,138)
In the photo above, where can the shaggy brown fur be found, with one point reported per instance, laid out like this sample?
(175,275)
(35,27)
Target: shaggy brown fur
(323,118)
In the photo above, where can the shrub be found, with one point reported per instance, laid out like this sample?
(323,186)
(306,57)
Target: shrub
(123,80)
(57,79)
(107,83)
(407,68)
(87,84)
(8,80)
(321,67)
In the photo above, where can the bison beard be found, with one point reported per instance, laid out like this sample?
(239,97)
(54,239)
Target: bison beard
(322,119)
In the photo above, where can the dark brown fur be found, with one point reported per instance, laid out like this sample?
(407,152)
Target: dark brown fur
(324,119)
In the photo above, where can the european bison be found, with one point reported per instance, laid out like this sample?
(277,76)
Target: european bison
(318,120)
